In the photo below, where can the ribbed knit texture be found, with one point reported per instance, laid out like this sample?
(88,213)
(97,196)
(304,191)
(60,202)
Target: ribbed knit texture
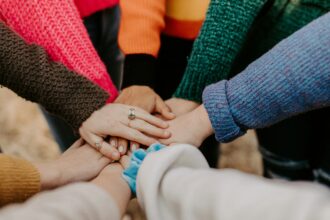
(88,7)
(19,180)
(225,32)
(26,70)
(141,24)
(57,27)
(292,78)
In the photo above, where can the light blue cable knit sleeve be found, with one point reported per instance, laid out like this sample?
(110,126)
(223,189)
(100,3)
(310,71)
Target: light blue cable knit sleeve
(292,78)
(137,158)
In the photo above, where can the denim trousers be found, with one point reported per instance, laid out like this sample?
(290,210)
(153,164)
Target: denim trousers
(103,29)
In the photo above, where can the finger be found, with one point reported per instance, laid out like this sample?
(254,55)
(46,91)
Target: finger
(122,146)
(125,161)
(76,144)
(91,138)
(148,129)
(113,142)
(104,160)
(141,114)
(109,151)
(163,109)
(134,146)
(133,135)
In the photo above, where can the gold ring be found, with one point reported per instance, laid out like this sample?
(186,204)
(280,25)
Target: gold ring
(131,114)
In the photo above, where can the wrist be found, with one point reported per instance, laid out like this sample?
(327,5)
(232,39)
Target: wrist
(139,69)
(203,122)
(112,182)
(49,175)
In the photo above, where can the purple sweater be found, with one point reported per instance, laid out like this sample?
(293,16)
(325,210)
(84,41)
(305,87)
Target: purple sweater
(292,78)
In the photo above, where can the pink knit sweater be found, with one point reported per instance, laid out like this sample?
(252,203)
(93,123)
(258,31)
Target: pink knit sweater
(56,26)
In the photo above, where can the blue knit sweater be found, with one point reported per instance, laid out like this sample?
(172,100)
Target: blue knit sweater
(292,78)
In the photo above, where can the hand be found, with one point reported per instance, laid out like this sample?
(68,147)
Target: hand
(145,98)
(112,120)
(192,128)
(78,163)
(110,180)
(181,106)
(122,145)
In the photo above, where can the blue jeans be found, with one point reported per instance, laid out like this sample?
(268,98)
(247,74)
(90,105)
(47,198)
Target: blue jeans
(103,29)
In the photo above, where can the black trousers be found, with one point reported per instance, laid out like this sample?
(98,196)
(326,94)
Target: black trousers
(298,148)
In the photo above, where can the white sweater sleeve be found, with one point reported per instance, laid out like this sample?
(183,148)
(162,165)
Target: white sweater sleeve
(83,201)
(175,184)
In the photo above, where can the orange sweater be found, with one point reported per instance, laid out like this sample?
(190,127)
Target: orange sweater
(143,21)
(19,180)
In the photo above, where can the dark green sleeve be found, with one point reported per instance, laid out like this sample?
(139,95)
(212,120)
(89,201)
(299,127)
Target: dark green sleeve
(222,36)
(26,70)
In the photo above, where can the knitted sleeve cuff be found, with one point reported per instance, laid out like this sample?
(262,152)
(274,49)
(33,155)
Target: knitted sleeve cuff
(19,180)
(218,109)
(139,70)
(137,158)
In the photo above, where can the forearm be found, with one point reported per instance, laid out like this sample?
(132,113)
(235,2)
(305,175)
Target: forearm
(141,24)
(294,77)
(57,27)
(229,195)
(19,180)
(83,201)
(26,70)
(222,35)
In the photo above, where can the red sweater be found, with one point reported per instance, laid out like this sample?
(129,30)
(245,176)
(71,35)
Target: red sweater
(58,28)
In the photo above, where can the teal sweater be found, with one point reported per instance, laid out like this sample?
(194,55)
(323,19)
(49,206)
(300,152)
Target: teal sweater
(236,32)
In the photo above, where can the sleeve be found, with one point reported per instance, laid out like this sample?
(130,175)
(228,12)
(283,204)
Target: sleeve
(220,40)
(292,78)
(57,27)
(26,70)
(82,201)
(172,186)
(19,180)
(139,38)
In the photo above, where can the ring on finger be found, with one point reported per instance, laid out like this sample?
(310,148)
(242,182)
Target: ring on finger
(98,145)
(131,114)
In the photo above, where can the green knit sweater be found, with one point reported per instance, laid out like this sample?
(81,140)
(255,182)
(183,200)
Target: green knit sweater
(236,32)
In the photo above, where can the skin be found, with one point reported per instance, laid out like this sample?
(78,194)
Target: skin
(111,181)
(181,106)
(79,163)
(192,128)
(112,120)
(143,97)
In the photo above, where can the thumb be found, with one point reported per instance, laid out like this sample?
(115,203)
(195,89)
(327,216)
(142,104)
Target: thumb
(163,109)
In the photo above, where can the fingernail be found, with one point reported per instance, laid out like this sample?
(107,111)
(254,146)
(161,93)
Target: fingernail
(133,148)
(115,154)
(113,143)
(121,149)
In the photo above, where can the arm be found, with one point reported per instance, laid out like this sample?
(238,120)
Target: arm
(57,27)
(222,35)
(19,180)
(83,201)
(173,182)
(139,38)
(292,78)
(26,70)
